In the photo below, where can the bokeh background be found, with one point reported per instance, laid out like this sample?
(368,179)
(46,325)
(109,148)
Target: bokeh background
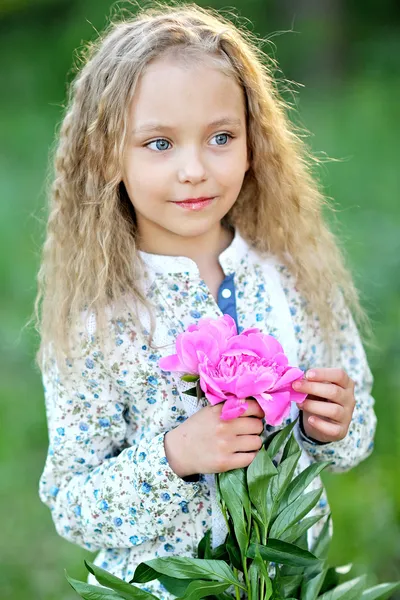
(345,55)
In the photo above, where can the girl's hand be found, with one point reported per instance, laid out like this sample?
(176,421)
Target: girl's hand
(329,406)
(206,444)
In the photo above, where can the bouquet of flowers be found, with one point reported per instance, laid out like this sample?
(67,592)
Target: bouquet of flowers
(265,555)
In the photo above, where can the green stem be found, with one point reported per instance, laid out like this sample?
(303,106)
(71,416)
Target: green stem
(262,580)
(246,576)
(237,593)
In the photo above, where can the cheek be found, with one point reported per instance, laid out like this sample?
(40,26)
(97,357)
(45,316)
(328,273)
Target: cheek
(230,170)
(143,182)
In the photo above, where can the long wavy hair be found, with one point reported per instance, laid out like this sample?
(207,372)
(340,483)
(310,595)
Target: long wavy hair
(89,259)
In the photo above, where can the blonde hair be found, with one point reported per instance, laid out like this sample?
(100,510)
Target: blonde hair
(90,257)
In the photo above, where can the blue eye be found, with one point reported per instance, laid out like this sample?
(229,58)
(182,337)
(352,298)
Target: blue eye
(223,135)
(162,142)
(156,142)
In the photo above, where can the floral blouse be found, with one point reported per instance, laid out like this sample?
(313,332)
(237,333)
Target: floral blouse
(106,479)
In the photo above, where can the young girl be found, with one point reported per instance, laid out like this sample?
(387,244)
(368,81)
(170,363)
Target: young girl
(180,192)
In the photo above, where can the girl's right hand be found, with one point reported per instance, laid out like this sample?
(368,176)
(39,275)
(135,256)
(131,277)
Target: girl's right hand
(206,444)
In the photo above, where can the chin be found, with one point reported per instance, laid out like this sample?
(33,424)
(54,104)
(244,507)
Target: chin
(194,230)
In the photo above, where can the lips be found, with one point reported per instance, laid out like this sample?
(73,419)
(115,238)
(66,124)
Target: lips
(193,200)
(194,204)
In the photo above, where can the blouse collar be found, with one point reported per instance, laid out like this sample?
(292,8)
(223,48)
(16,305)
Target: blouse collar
(228,259)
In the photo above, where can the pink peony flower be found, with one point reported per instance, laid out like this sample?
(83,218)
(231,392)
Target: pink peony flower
(234,367)
(208,337)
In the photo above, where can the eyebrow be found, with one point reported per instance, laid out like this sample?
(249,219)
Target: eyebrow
(153,126)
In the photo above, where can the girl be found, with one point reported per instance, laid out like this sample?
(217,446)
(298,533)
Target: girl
(181,191)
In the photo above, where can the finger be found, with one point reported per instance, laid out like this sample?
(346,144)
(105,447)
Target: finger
(332,431)
(338,376)
(253,409)
(248,443)
(330,410)
(248,426)
(240,460)
(328,391)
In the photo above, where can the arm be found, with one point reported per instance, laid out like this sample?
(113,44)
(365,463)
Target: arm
(101,492)
(345,352)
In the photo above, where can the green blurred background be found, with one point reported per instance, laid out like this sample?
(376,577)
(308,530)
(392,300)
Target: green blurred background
(346,55)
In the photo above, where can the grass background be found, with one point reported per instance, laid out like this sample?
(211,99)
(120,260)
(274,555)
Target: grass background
(353,117)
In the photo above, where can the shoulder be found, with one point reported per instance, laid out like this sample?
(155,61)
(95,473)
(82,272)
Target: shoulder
(283,274)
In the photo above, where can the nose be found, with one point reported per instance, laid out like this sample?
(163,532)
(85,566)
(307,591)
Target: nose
(191,168)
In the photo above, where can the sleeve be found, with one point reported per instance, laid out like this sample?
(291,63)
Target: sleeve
(103,493)
(345,351)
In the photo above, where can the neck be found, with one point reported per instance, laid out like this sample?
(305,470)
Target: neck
(201,249)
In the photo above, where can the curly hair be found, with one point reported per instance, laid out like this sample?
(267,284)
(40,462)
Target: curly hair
(90,259)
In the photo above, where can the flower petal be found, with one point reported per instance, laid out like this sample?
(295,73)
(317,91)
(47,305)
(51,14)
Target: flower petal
(295,396)
(233,408)
(276,409)
(213,398)
(292,374)
(250,330)
(209,384)
(172,363)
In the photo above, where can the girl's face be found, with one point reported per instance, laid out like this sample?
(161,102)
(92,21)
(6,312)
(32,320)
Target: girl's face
(187,139)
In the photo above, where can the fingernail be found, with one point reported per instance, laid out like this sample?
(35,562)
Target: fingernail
(310,374)
(296,385)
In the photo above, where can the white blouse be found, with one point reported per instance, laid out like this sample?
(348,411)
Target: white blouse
(107,480)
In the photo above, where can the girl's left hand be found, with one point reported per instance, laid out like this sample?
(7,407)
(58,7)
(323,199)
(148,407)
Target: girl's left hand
(329,406)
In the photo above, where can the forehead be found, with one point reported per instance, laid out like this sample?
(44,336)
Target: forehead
(175,93)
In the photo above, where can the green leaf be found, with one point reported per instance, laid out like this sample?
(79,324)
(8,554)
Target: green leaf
(126,590)
(259,474)
(275,441)
(189,378)
(321,545)
(294,532)
(238,483)
(143,574)
(301,482)
(184,567)
(280,483)
(291,447)
(92,592)
(254,582)
(220,553)
(233,489)
(262,567)
(331,580)
(311,587)
(257,517)
(289,585)
(294,512)
(201,589)
(302,541)
(234,553)
(204,548)
(350,590)
(379,591)
(191,392)
(283,553)
(289,570)
(177,587)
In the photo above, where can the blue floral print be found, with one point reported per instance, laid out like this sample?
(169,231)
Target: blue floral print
(106,479)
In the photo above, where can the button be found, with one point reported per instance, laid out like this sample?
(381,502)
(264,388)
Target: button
(226,293)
